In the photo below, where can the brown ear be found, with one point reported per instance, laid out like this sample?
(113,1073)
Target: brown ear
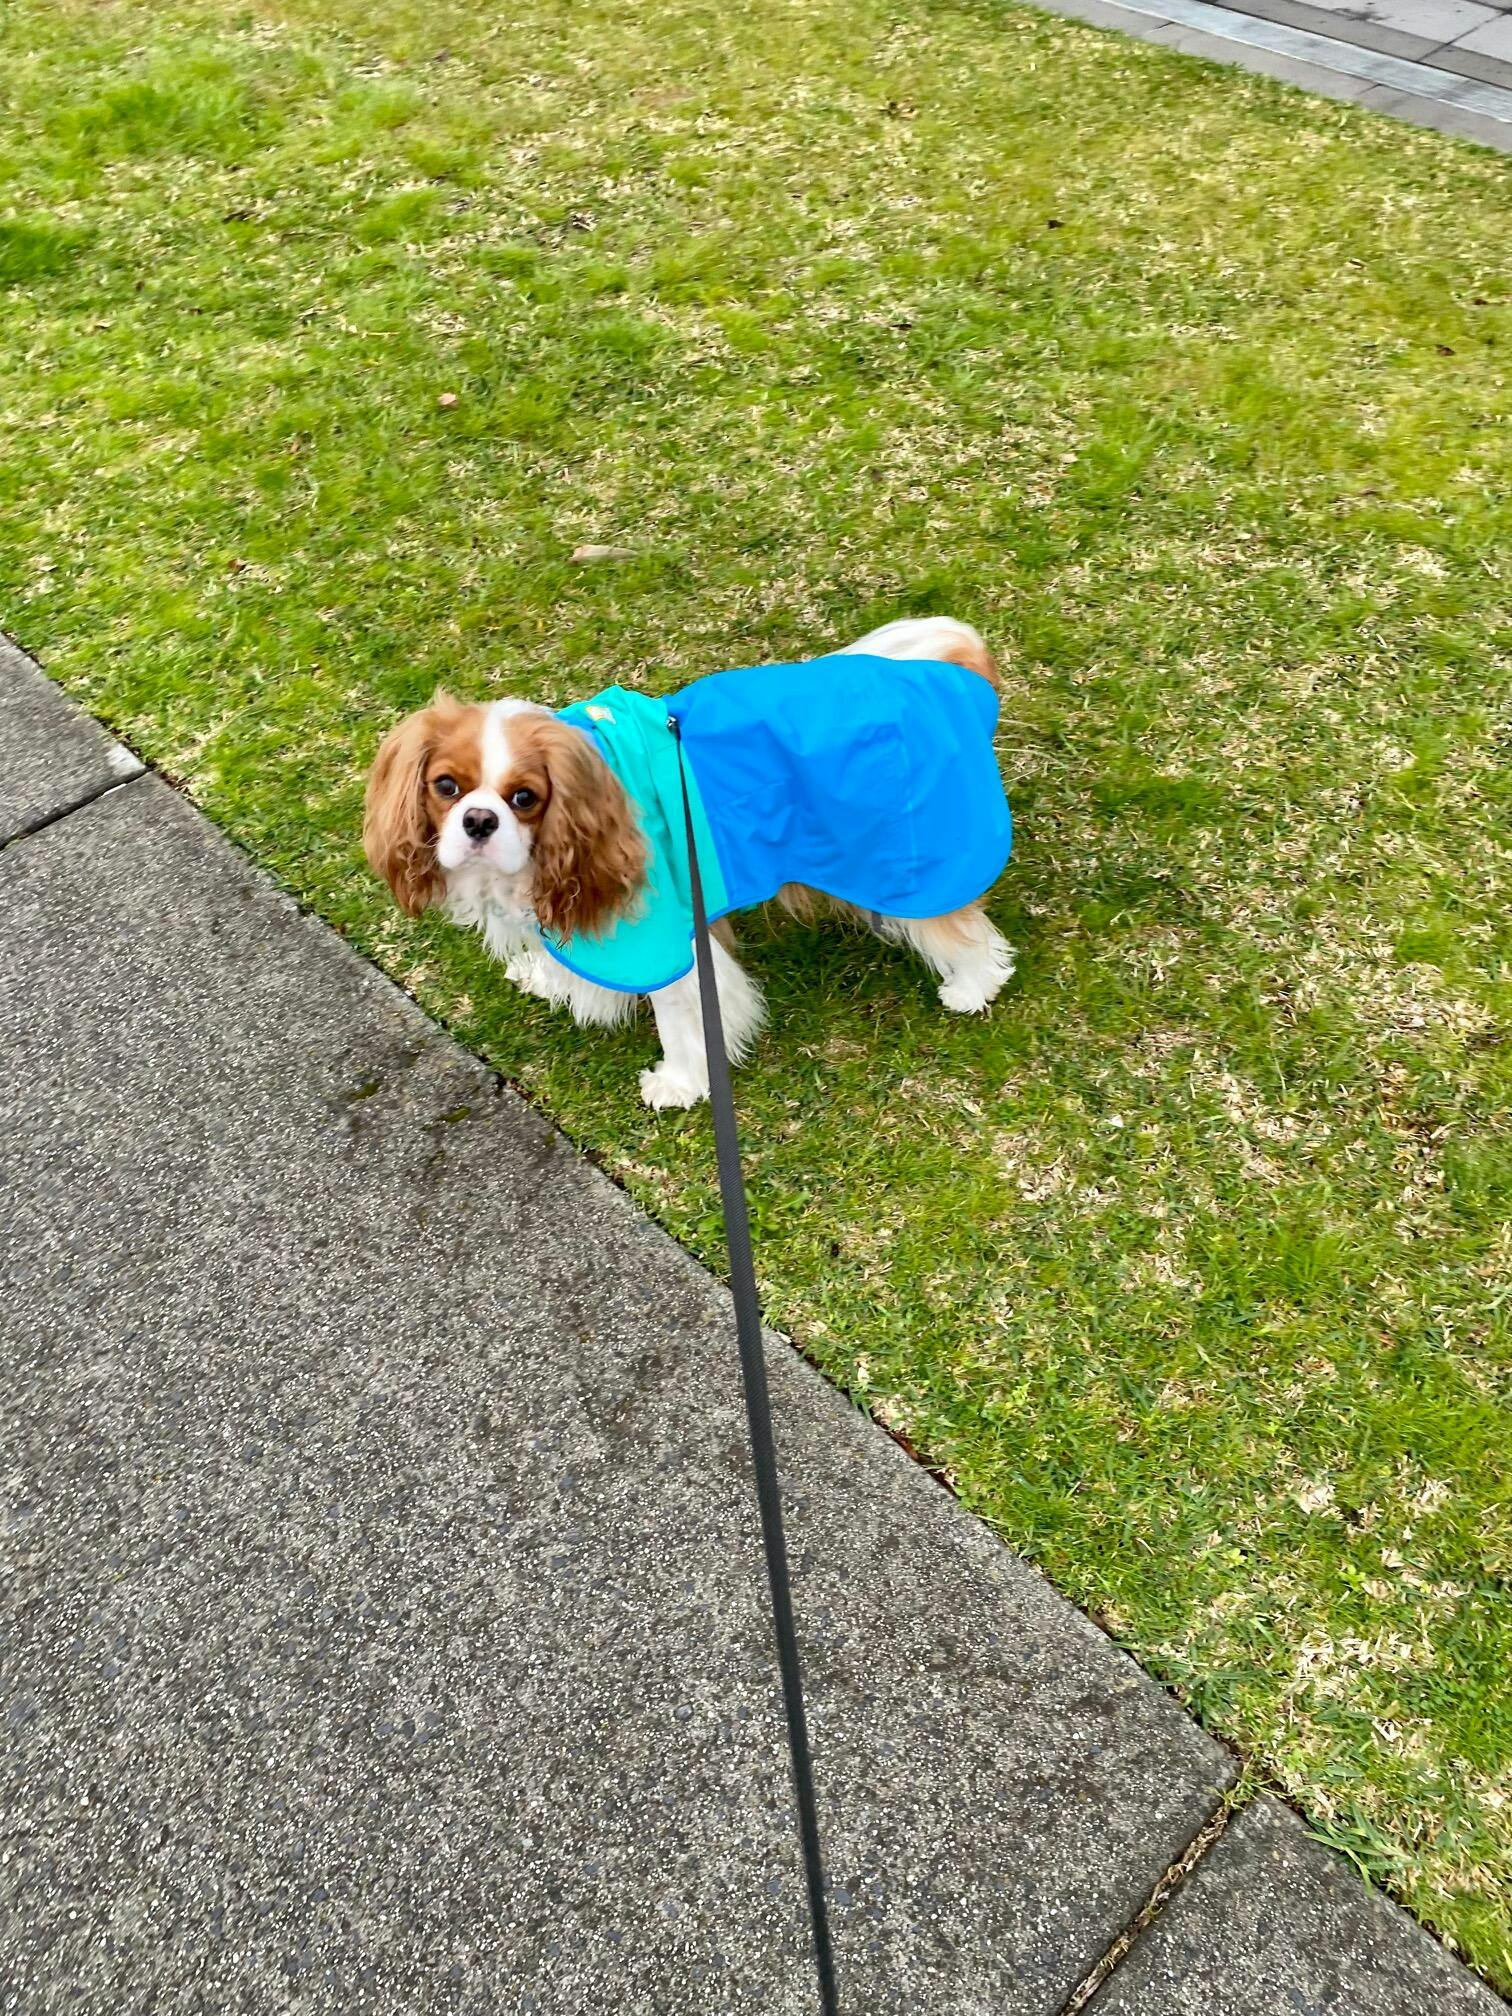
(396,829)
(589,858)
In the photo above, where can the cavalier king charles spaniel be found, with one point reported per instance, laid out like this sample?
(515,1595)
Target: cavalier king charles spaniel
(866,778)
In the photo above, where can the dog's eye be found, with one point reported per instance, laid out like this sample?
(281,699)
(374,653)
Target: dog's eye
(523,799)
(446,787)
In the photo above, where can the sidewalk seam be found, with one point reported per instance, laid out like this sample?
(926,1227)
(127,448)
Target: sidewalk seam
(1206,1838)
(74,805)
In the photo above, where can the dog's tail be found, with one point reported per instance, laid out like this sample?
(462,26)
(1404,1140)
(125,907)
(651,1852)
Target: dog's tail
(941,638)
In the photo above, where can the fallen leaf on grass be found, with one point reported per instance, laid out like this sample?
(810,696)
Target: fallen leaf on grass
(585,554)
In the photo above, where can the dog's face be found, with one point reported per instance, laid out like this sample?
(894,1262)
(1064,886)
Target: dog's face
(508,791)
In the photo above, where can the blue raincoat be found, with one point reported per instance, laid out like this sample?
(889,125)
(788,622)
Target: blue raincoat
(871,779)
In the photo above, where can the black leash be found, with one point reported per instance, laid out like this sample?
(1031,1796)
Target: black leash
(758,1406)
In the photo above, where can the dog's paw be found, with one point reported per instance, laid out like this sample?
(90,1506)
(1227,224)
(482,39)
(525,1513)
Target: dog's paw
(966,997)
(973,992)
(663,1087)
(527,972)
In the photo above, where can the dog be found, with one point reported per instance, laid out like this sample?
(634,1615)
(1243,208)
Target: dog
(866,779)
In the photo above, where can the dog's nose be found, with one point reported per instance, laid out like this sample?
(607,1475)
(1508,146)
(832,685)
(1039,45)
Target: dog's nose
(478,822)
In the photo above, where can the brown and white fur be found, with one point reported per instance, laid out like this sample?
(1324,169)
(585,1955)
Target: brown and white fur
(508,818)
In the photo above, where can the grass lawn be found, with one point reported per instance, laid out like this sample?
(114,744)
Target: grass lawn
(1190,1265)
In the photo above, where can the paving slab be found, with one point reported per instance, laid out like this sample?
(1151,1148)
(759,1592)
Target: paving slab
(1434,32)
(1467,62)
(1251,41)
(384,1621)
(1438,21)
(1370,55)
(1307,74)
(1333,19)
(1270,1923)
(51,755)
(1484,52)
(1441,117)
(1492,33)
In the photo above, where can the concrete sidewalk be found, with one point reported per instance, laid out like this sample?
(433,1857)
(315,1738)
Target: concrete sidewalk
(384,1623)
(1440,63)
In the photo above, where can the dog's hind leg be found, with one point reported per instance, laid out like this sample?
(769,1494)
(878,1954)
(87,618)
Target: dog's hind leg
(972,957)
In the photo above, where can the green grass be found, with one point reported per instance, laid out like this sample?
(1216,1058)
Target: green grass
(1189,1266)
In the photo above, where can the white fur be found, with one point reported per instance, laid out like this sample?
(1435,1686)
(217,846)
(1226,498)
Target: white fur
(488,888)
(916,637)
(498,905)
(682,1077)
(972,957)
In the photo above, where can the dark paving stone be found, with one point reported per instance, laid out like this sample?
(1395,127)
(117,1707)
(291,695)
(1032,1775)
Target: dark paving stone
(51,755)
(1270,1923)
(384,1627)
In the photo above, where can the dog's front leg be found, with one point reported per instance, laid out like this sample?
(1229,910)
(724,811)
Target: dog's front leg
(526,966)
(682,1076)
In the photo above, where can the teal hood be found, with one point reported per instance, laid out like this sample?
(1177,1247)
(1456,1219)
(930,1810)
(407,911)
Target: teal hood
(649,948)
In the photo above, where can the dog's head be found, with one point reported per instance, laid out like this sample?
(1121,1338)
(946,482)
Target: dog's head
(509,790)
